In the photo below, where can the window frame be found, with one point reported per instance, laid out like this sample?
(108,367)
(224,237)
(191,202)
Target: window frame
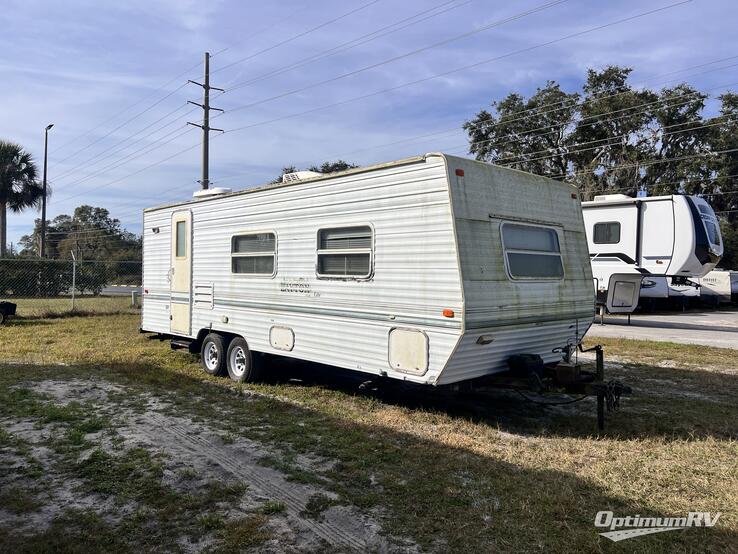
(319,252)
(255,255)
(505,251)
(176,239)
(594,232)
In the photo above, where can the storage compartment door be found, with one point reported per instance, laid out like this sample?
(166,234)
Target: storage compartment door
(623,292)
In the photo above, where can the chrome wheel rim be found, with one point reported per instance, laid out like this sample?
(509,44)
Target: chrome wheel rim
(211,357)
(238,361)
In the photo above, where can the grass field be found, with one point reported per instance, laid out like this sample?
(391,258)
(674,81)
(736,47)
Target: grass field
(86,405)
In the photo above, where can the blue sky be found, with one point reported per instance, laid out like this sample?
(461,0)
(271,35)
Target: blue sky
(110,76)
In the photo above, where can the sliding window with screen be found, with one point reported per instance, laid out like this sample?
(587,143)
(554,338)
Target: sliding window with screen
(254,254)
(345,252)
(532,252)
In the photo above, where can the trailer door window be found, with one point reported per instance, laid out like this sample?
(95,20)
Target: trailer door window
(181,242)
(345,252)
(607,233)
(254,254)
(532,252)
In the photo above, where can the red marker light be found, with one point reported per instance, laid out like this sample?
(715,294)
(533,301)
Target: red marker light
(574,195)
(448,313)
(459,172)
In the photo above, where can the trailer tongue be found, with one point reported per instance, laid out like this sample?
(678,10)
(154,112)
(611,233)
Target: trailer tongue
(528,373)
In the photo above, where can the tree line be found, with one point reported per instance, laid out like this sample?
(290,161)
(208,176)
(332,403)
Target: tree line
(610,137)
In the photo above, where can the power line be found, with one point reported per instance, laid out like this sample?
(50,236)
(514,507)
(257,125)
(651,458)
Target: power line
(174,79)
(518,16)
(599,120)
(140,170)
(525,113)
(466,34)
(142,151)
(647,163)
(97,157)
(281,21)
(455,38)
(168,95)
(126,122)
(462,68)
(547,43)
(573,148)
(375,34)
(358,41)
(295,37)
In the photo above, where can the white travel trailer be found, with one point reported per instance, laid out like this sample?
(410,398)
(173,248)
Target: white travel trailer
(434,269)
(629,238)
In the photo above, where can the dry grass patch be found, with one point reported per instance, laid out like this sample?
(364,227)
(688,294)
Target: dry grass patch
(456,473)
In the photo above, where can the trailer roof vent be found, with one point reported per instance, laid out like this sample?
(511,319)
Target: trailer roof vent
(607,197)
(299,176)
(215,191)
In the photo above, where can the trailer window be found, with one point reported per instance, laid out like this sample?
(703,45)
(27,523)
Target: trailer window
(607,233)
(532,252)
(181,241)
(712,232)
(254,254)
(345,252)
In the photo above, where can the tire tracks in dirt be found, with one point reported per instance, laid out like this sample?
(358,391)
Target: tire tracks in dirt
(265,481)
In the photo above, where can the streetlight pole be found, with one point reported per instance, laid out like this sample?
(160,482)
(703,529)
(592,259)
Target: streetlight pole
(42,252)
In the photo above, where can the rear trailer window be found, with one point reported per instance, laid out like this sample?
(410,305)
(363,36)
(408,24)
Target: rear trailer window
(532,252)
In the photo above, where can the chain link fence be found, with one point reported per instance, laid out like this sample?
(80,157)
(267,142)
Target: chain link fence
(51,288)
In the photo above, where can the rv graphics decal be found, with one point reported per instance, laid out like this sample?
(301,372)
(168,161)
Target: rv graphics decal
(297,286)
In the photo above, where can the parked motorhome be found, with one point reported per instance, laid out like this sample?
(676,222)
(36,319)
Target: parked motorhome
(676,236)
(434,269)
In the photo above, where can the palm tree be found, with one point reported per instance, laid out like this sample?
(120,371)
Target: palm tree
(19,188)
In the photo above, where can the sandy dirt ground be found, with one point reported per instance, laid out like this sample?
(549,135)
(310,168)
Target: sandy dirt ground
(192,448)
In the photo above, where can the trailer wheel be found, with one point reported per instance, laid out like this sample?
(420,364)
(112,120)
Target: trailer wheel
(213,354)
(240,364)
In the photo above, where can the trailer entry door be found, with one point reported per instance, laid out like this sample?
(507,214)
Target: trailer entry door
(180,273)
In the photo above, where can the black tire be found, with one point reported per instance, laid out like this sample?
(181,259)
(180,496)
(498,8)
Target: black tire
(240,362)
(2,318)
(213,354)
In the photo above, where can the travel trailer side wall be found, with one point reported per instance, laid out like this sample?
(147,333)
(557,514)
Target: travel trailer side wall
(434,269)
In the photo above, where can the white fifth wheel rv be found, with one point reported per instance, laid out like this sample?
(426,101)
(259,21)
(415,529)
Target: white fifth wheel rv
(433,269)
(630,238)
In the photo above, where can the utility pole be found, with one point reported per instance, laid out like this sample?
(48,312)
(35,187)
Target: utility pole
(205,180)
(42,249)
